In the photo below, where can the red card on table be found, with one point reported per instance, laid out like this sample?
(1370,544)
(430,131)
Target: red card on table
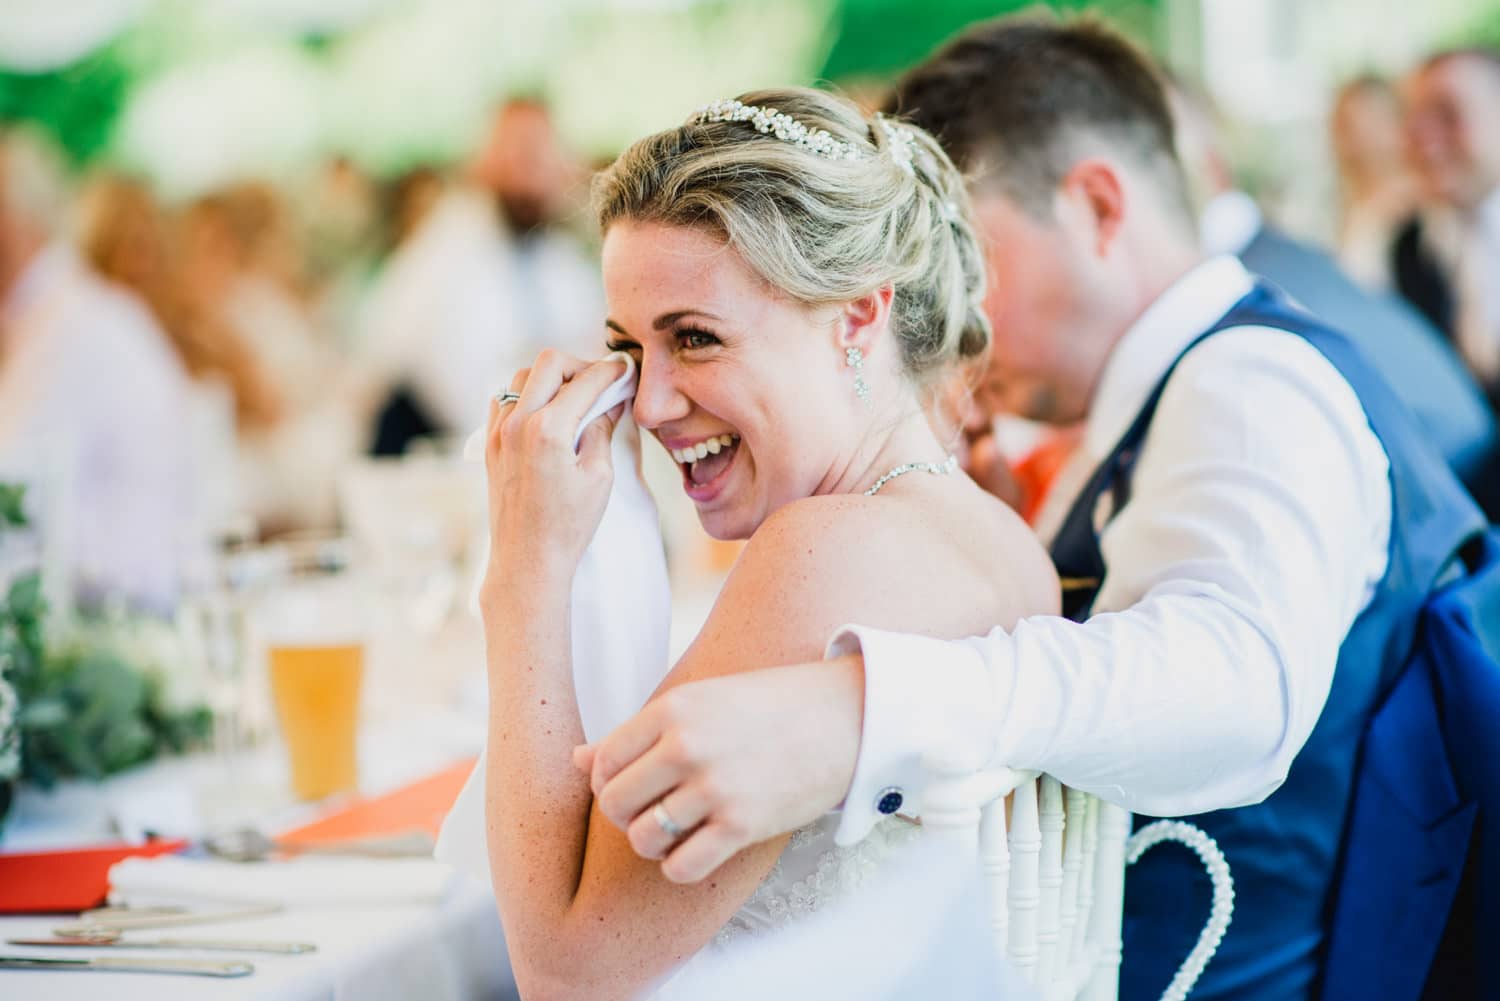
(66,882)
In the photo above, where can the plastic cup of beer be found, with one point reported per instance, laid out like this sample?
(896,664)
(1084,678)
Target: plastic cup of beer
(314,634)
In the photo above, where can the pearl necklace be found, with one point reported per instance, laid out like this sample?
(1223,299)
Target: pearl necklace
(943,468)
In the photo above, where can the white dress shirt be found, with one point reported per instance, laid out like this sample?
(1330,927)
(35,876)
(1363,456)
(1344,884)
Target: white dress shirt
(463,304)
(1256,531)
(93,413)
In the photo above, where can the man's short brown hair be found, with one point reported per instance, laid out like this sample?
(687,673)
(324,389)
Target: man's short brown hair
(1017,100)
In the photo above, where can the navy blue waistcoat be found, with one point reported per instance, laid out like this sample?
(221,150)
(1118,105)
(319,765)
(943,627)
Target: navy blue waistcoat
(1283,852)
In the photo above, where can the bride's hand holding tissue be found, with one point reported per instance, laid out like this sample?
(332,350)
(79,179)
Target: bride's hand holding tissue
(545,498)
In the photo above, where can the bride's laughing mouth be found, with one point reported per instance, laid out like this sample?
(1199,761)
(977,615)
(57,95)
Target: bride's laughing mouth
(705,464)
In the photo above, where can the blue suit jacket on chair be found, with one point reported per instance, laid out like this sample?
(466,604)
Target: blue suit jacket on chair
(1418,902)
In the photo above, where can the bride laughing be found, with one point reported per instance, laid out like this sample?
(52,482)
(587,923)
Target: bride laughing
(792,279)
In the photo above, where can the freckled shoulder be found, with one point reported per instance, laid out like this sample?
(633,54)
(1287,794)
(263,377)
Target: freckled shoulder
(818,522)
(815,565)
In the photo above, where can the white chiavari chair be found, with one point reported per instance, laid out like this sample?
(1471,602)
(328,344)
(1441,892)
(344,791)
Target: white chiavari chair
(1054,870)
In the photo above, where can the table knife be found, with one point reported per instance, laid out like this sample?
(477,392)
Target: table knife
(122,964)
(211,944)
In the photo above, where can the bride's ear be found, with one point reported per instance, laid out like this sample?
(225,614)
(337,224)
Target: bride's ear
(862,321)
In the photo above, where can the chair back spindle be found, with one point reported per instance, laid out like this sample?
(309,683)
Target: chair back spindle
(1053,862)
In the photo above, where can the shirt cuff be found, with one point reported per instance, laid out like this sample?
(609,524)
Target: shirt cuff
(923,698)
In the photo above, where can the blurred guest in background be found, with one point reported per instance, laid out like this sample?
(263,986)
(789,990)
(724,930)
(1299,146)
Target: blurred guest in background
(241,258)
(123,235)
(1377,194)
(92,402)
(487,279)
(339,209)
(409,200)
(1411,354)
(1448,260)
(239,273)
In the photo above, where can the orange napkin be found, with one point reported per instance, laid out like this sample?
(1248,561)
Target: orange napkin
(420,806)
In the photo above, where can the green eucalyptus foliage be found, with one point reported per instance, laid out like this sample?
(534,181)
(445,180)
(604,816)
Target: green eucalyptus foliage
(21,615)
(84,709)
(92,714)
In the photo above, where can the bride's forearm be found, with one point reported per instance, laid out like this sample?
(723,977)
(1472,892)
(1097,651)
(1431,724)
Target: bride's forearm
(536,803)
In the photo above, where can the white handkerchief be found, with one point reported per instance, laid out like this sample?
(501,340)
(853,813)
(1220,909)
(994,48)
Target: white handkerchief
(618,392)
(621,619)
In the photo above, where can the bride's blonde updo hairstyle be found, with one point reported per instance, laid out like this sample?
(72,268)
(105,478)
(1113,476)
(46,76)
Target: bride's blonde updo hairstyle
(825,220)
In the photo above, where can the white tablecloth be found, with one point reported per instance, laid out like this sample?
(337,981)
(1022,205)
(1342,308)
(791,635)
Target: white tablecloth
(452,952)
(449,952)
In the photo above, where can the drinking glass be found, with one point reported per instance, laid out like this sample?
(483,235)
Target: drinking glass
(314,631)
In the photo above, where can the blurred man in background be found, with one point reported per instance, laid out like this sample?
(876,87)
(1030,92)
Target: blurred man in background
(489,278)
(1448,261)
(91,398)
(1411,354)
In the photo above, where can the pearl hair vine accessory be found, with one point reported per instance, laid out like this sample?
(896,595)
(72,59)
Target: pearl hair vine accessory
(900,141)
(769,121)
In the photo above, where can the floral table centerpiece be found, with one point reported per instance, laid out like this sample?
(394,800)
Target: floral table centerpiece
(85,695)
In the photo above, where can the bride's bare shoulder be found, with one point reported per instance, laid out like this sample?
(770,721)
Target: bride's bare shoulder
(824,562)
(848,538)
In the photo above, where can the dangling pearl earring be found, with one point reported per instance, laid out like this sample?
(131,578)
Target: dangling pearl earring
(855,359)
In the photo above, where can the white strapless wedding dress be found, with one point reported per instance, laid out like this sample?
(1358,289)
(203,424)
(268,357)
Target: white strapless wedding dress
(896,917)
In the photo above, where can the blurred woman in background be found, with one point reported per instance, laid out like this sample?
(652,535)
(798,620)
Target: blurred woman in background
(123,236)
(1377,195)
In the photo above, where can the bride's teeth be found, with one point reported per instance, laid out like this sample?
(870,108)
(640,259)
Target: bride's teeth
(709,446)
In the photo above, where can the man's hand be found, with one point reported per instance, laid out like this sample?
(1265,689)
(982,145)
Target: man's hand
(732,761)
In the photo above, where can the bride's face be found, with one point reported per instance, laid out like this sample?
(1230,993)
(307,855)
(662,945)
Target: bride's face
(738,383)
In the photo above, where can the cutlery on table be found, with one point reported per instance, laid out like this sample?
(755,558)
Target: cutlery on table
(116,939)
(248,844)
(121,964)
(110,919)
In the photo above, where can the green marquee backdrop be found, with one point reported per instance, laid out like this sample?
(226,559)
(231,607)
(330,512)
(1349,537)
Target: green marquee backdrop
(82,103)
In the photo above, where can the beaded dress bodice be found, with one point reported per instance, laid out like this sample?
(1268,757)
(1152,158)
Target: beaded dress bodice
(813,872)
